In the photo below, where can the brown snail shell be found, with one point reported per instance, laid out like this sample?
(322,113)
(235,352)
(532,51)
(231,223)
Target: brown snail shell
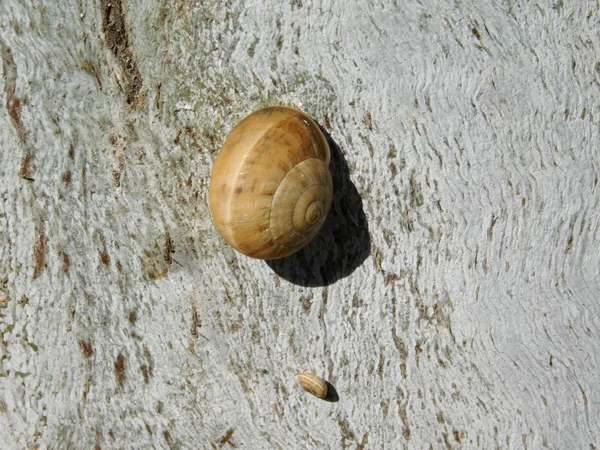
(313,384)
(270,187)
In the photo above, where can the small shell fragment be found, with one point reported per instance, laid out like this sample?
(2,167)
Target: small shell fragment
(313,384)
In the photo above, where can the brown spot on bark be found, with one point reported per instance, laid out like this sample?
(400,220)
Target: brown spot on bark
(120,370)
(458,436)
(225,439)
(416,198)
(117,40)
(119,266)
(306,304)
(368,121)
(87,348)
(39,254)
(113,138)
(364,442)
(476,33)
(67,177)
(132,317)
(105,258)
(390,277)
(99,439)
(385,407)
(346,432)
(66,262)
(117,178)
(400,345)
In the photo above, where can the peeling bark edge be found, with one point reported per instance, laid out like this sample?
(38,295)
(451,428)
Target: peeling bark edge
(117,40)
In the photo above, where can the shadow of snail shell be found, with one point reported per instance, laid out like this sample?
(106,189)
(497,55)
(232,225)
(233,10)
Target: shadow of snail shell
(313,384)
(270,187)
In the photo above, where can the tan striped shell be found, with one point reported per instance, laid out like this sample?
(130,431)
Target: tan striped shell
(313,384)
(270,187)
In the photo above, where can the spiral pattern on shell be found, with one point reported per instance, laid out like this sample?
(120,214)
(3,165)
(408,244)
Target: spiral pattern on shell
(270,188)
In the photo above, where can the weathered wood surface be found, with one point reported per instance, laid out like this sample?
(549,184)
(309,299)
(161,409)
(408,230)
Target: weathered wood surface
(454,300)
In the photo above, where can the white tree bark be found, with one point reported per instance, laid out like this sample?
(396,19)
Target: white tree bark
(452,298)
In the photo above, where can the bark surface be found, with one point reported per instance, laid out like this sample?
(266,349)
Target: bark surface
(451,300)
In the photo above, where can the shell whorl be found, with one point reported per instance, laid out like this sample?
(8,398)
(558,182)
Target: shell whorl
(271,188)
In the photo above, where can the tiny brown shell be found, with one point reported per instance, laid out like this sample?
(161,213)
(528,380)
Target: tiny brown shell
(313,384)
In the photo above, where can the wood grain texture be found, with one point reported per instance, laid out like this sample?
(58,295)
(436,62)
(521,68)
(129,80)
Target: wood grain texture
(458,307)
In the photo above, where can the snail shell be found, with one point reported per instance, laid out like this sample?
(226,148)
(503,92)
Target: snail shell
(313,384)
(270,187)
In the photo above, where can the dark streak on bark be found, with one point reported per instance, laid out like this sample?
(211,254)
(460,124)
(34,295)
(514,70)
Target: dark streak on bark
(89,67)
(168,249)
(400,345)
(117,40)
(150,365)
(40,254)
(490,232)
(364,442)
(145,373)
(569,245)
(66,262)
(25,171)
(84,180)
(13,103)
(195,323)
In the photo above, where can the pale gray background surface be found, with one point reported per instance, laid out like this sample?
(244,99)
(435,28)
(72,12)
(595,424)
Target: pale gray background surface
(471,134)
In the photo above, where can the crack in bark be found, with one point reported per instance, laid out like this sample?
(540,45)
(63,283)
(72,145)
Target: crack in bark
(117,40)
